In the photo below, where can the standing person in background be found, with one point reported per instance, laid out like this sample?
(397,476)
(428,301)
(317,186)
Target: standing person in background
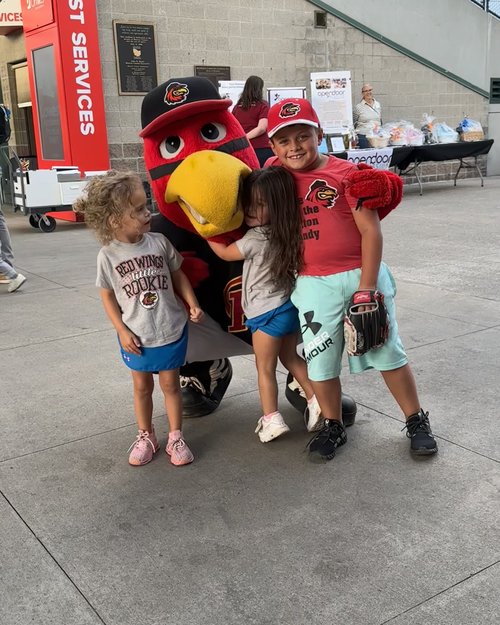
(366,114)
(7,272)
(5,131)
(251,111)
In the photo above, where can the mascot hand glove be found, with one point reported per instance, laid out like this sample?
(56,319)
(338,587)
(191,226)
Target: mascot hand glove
(376,189)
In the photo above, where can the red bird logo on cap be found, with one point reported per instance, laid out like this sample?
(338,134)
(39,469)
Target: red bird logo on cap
(289,110)
(176,93)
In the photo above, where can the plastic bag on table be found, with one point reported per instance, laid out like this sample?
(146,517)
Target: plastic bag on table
(469,125)
(379,138)
(414,136)
(444,133)
(427,128)
(396,132)
(470,130)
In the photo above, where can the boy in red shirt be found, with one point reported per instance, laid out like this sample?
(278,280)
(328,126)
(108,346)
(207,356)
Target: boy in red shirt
(342,256)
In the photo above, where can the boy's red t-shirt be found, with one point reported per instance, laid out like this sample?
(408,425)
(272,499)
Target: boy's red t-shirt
(332,241)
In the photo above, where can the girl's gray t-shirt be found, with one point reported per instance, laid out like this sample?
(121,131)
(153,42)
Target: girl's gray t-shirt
(139,275)
(260,293)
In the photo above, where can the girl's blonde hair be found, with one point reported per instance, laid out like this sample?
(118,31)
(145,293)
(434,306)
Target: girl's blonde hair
(104,201)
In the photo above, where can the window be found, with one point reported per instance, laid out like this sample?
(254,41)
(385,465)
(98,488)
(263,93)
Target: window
(320,19)
(48,103)
(494,90)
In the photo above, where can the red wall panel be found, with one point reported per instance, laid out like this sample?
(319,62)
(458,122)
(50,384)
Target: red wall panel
(73,34)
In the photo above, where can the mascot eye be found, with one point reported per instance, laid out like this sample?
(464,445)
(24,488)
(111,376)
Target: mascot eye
(213,132)
(171,146)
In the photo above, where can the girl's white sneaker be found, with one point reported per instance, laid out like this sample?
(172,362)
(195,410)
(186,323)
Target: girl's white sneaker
(269,429)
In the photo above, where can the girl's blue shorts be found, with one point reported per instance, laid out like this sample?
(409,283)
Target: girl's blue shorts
(163,358)
(278,322)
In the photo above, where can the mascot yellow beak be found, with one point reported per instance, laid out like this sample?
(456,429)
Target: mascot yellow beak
(206,186)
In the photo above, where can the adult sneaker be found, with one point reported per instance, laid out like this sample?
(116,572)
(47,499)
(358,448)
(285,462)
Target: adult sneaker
(269,429)
(143,448)
(325,443)
(179,452)
(418,430)
(312,416)
(16,282)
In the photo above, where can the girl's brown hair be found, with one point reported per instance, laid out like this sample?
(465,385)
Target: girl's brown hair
(275,187)
(252,92)
(104,201)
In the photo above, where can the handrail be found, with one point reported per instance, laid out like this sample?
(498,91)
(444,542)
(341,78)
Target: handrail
(494,7)
(491,6)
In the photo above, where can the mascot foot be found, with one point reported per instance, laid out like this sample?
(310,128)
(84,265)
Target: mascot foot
(296,397)
(203,385)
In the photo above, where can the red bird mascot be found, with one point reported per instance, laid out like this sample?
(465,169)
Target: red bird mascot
(196,153)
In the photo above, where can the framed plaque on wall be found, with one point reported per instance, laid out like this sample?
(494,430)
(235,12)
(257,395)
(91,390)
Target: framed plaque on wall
(214,73)
(135,51)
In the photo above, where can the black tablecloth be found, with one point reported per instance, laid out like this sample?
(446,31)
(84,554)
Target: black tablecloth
(445,152)
(405,156)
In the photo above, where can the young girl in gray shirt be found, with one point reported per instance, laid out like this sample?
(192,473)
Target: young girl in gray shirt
(139,275)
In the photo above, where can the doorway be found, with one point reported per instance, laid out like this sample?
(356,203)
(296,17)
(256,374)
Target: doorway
(23,114)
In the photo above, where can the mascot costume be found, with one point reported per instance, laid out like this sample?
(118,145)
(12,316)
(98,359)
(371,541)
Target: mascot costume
(196,153)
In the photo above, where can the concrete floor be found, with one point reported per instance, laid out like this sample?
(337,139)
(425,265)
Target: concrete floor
(252,533)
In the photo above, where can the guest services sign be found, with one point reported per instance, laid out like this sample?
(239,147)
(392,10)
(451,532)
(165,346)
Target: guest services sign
(10,16)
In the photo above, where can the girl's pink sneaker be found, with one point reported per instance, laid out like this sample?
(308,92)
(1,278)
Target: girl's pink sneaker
(143,448)
(179,452)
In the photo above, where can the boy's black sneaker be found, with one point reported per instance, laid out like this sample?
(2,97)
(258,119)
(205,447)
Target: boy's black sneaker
(418,430)
(324,444)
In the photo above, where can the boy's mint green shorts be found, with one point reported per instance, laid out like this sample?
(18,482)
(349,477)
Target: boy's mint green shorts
(322,302)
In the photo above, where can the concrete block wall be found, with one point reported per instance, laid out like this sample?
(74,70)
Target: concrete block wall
(278,42)
(280,45)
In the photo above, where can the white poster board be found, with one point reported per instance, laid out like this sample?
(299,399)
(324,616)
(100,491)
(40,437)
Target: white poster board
(332,100)
(231,89)
(337,144)
(276,94)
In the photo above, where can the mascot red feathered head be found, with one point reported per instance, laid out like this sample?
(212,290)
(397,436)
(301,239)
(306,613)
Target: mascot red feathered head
(196,153)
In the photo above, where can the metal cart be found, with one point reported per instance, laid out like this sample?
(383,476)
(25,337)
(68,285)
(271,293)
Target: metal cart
(46,194)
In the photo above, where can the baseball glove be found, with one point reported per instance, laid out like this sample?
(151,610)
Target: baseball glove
(365,324)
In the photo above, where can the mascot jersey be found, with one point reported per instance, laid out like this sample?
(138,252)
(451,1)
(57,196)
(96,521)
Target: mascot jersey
(332,242)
